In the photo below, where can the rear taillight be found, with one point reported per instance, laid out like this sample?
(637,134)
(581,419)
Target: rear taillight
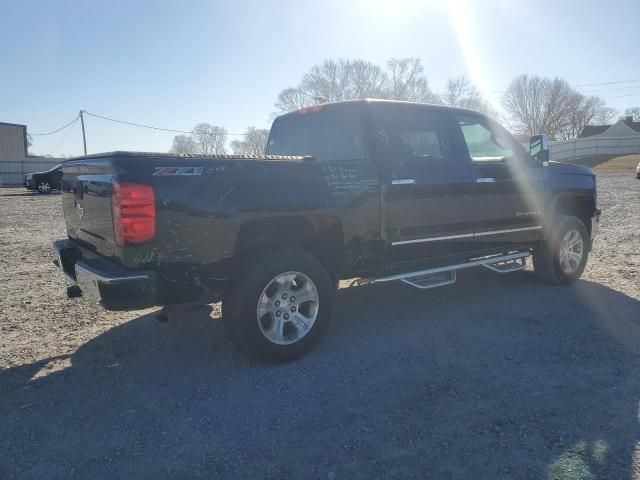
(134,213)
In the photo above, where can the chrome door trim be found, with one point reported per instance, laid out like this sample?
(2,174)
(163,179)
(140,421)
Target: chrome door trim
(465,235)
(509,230)
(486,180)
(432,239)
(403,181)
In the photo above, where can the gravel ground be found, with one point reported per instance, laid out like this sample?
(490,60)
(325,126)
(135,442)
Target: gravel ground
(494,377)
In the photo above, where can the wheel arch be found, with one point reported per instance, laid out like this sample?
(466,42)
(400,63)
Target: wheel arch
(318,235)
(580,206)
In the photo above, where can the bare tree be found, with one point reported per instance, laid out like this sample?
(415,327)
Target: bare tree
(543,105)
(407,81)
(582,111)
(368,80)
(183,144)
(328,82)
(605,116)
(331,81)
(253,143)
(536,104)
(291,99)
(457,90)
(210,139)
(633,112)
(460,92)
(336,80)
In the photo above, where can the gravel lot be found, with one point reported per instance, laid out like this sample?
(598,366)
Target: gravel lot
(494,377)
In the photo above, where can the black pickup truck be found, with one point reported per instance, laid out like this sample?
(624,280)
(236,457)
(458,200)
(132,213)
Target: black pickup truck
(44,182)
(380,190)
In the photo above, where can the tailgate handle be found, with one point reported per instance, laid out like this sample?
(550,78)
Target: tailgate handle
(486,180)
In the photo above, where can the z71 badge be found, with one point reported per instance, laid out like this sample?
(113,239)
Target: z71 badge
(173,171)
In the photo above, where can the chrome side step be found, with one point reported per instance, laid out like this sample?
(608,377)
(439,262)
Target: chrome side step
(431,280)
(506,266)
(436,277)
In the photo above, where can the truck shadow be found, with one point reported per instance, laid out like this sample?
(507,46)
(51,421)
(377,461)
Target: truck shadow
(494,377)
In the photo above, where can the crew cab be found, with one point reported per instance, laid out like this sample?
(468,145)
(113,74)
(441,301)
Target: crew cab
(44,182)
(380,190)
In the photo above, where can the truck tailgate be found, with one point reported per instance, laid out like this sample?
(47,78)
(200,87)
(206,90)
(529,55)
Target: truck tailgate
(86,202)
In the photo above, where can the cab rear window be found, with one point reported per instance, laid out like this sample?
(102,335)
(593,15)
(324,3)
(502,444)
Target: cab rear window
(329,135)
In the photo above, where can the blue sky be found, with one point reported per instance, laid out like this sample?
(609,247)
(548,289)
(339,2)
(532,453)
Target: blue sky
(177,63)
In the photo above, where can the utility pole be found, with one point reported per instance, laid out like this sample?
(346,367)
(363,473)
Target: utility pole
(84,138)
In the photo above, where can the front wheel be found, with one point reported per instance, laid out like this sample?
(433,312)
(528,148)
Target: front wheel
(278,308)
(44,187)
(562,257)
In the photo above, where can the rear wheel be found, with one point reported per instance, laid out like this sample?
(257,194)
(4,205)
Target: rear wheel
(44,186)
(562,258)
(278,309)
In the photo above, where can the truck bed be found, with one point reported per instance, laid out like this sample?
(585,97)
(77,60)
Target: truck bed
(208,208)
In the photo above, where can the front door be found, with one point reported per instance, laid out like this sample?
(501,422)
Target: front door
(510,187)
(428,206)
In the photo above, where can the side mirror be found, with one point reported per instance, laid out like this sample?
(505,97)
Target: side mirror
(539,148)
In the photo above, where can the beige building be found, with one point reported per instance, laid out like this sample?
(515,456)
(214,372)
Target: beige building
(15,160)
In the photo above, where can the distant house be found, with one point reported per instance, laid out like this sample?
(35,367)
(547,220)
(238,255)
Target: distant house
(591,130)
(621,138)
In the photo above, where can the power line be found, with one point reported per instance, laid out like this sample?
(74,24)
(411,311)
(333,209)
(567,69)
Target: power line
(607,83)
(64,137)
(625,95)
(146,126)
(55,131)
(137,124)
(612,90)
(616,82)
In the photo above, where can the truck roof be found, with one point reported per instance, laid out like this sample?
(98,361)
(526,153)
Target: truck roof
(373,101)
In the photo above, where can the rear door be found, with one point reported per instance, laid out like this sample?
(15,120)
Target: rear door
(509,186)
(428,192)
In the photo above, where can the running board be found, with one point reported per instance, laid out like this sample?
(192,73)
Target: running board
(436,277)
(506,266)
(431,280)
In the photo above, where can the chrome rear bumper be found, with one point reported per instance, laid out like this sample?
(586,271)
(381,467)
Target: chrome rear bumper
(103,281)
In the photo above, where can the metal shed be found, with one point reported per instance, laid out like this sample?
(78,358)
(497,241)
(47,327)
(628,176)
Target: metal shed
(15,160)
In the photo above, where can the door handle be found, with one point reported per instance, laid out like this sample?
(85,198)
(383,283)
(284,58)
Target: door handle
(486,180)
(403,181)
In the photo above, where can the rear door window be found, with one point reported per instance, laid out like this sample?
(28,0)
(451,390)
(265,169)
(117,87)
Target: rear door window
(410,139)
(335,133)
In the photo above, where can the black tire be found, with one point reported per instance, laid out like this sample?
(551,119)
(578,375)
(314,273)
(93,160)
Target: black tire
(239,307)
(546,258)
(43,187)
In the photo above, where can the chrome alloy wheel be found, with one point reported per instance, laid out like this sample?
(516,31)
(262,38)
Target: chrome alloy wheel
(288,308)
(571,252)
(44,187)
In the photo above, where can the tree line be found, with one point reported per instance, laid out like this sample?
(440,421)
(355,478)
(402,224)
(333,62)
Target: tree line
(532,104)
(207,139)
